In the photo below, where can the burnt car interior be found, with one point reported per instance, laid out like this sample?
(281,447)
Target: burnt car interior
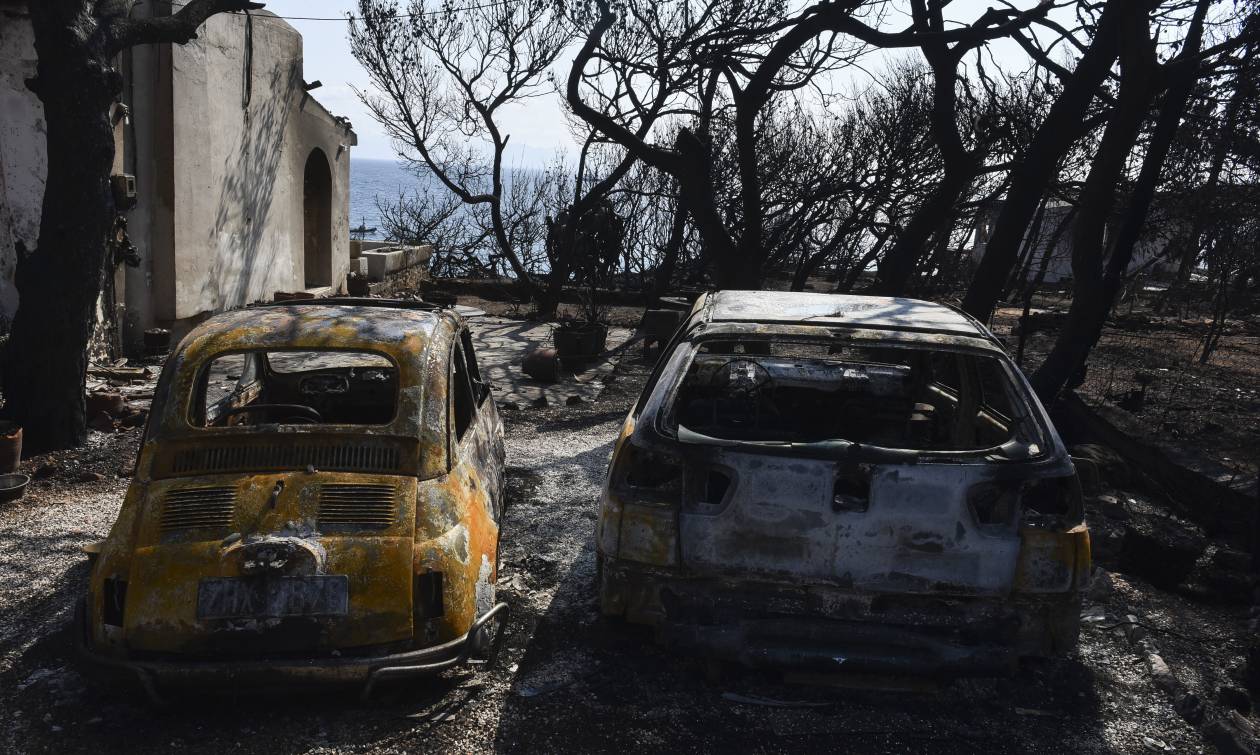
(900,397)
(467,387)
(310,387)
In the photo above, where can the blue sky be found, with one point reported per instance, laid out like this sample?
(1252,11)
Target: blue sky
(538,129)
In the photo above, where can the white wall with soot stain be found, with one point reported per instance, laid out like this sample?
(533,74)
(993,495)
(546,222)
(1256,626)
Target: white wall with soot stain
(238,226)
(220,219)
(23,164)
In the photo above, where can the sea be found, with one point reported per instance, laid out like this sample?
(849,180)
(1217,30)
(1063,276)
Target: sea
(372,178)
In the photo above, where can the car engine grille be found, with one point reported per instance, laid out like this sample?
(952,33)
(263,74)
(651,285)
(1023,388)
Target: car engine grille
(340,458)
(190,508)
(350,505)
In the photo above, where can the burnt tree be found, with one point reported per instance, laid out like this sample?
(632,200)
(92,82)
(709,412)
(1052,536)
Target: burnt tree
(960,162)
(59,282)
(756,54)
(1097,200)
(1096,287)
(1060,128)
(442,76)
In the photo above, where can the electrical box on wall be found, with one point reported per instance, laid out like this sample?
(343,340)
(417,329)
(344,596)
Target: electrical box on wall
(124,188)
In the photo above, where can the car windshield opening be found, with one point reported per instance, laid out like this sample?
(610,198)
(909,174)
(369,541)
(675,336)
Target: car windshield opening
(907,397)
(306,387)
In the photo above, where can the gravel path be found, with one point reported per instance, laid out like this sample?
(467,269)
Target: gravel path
(565,681)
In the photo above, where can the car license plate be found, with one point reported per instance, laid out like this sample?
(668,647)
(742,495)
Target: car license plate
(267,597)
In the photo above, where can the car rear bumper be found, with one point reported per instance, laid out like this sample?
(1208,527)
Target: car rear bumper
(154,675)
(819,627)
(820,645)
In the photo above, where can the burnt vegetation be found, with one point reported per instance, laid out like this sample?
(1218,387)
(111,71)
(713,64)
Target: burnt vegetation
(910,149)
(1045,166)
(867,147)
(1082,177)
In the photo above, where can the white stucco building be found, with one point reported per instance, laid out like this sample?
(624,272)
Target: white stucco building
(242,177)
(1053,245)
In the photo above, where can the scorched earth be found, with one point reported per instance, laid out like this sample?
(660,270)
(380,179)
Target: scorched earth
(567,680)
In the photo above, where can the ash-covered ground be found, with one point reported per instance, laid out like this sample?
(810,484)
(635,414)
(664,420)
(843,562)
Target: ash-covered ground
(567,680)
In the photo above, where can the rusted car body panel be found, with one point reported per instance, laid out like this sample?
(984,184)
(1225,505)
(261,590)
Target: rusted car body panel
(764,552)
(283,551)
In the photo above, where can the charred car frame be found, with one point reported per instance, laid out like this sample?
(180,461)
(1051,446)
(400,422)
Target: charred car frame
(317,498)
(844,483)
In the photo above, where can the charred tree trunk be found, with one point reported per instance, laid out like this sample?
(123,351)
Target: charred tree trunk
(1037,168)
(808,264)
(1031,285)
(669,261)
(1096,202)
(811,261)
(584,202)
(731,267)
(745,270)
(1083,328)
(897,267)
(851,277)
(1019,275)
(1190,255)
(1220,310)
(546,300)
(498,227)
(59,281)
(934,268)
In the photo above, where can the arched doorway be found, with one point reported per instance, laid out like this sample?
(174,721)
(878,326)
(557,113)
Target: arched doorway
(317,220)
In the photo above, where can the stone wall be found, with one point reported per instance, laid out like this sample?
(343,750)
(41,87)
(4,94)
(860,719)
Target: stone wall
(1209,494)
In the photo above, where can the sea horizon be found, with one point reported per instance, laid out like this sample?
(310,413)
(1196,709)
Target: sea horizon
(372,177)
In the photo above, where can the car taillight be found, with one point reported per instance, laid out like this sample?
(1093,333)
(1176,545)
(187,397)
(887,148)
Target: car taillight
(651,474)
(114,600)
(1052,502)
(426,595)
(639,519)
(993,504)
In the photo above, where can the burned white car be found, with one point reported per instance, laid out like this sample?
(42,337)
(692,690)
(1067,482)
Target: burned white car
(843,482)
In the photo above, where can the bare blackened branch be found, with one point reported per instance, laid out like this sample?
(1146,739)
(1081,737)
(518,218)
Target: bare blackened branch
(178,28)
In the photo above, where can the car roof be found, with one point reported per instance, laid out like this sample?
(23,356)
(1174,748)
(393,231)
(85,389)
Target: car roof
(849,310)
(327,323)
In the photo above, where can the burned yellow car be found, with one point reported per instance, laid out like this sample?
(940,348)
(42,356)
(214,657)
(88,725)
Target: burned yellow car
(318,497)
(843,483)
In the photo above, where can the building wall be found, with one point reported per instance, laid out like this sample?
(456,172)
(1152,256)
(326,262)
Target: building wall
(219,221)
(23,165)
(149,156)
(239,166)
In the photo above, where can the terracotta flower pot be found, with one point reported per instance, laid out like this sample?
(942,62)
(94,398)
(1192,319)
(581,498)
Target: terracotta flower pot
(10,447)
(542,364)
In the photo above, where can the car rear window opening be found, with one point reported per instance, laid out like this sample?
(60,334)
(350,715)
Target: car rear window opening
(307,387)
(903,397)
